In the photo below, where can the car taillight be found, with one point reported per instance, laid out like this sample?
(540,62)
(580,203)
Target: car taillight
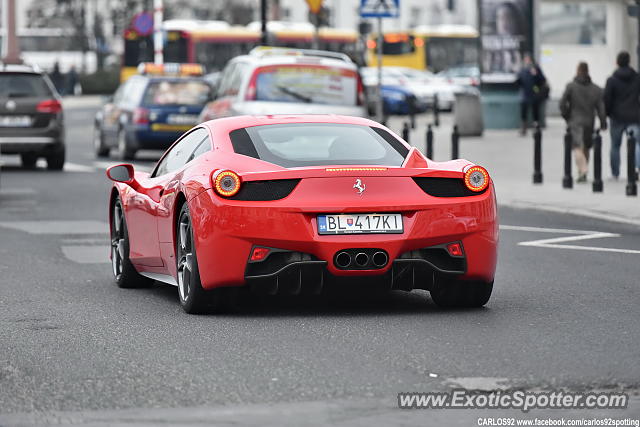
(455,249)
(476,179)
(226,183)
(141,116)
(49,106)
(251,89)
(360,95)
(259,254)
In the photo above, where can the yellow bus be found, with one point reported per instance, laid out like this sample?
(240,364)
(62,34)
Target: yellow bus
(427,47)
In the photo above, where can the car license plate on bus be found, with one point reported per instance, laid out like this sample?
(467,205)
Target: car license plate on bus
(15,121)
(360,223)
(182,119)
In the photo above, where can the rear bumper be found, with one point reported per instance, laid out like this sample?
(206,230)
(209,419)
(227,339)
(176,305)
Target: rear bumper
(225,236)
(17,141)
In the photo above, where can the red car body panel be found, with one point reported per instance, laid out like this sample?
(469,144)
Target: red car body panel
(226,230)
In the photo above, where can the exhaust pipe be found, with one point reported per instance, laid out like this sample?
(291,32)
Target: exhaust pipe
(380,259)
(343,259)
(362,259)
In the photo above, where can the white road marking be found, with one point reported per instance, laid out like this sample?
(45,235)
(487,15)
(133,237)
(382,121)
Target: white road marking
(577,235)
(87,254)
(75,167)
(58,227)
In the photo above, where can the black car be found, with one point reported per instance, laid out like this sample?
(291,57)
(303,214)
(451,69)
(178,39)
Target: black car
(31,118)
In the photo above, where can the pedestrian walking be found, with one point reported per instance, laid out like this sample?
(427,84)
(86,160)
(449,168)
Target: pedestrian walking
(622,103)
(533,91)
(580,102)
(72,81)
(57,78)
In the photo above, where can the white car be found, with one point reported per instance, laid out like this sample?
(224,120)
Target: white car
(423,84)
(288,81)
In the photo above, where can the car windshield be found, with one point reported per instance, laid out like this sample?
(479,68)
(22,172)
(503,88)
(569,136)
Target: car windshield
(178,92)
(305,83)
(15,85)
(319,144)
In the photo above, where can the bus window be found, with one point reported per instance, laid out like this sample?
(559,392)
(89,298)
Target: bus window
(447,52)
(214,55)
(137,49)
(175,48)
(398,44)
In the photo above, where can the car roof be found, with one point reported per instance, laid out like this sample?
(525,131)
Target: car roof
(19,68)
(290,59)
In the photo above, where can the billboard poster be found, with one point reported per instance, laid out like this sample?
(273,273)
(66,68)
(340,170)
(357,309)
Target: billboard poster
(506,35)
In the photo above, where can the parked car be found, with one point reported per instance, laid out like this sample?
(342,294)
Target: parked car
(466,75)
(31,117)
(423,84)
(151,110)
(288,81)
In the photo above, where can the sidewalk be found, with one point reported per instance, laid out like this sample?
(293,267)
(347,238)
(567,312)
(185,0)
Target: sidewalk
(509,159)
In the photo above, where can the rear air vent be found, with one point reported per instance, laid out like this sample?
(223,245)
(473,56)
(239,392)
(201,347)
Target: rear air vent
(265,190)
(445,187)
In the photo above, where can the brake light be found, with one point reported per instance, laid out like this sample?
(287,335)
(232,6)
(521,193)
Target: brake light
(259,254)
(226,183)
(52,106)
(371,44)
(476,179)
(141,116)
(251,89)
(455,249)
(360,94)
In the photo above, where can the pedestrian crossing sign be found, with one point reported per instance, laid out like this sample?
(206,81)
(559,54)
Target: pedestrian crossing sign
(379,8)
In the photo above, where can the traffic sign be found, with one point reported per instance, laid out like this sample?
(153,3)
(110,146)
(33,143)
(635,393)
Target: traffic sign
(143,23)
(314,5)
(379,8)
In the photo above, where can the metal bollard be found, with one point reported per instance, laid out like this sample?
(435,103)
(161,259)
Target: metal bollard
(436,111)
(632,188)
(455,142)
(405,131)
(429,142)
(567,180)
(597,185)
(537,155)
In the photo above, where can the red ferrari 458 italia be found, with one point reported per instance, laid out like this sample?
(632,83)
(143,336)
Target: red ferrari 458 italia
(289,204)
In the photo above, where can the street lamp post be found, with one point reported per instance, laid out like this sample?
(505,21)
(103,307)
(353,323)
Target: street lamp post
(263,20)
(638,21)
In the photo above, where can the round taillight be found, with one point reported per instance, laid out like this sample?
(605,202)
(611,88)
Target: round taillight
(476,178)
(226,183)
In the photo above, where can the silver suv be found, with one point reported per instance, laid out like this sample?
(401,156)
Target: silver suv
(288,81)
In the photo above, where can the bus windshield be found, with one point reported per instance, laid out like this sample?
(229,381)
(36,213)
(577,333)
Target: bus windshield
(398,44)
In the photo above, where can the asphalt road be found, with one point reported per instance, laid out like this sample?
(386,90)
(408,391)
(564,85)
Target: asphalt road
(76,349)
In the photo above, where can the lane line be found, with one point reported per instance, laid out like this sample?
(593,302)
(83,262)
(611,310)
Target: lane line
(577,235)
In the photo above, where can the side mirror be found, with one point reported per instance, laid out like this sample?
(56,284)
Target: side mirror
(121,173)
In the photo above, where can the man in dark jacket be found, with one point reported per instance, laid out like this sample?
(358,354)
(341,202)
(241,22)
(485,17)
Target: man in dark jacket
(579,104)
(622,102)
(532,84)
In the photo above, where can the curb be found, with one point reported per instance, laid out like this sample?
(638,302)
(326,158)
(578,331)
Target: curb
(603,216)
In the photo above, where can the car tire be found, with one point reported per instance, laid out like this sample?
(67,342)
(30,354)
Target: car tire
(461,294)
(125,274)
(99,147)
(125,152)
(55,161)
(194,299)
(29,160)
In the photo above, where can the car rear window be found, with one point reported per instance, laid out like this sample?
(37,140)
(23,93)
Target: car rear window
(187,92)
(319,144)
(306,83)
(17,85)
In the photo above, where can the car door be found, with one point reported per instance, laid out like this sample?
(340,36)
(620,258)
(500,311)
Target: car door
(169,174)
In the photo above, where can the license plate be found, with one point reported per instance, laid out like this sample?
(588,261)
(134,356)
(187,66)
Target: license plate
(15,121)
(360,223)
(182,119)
